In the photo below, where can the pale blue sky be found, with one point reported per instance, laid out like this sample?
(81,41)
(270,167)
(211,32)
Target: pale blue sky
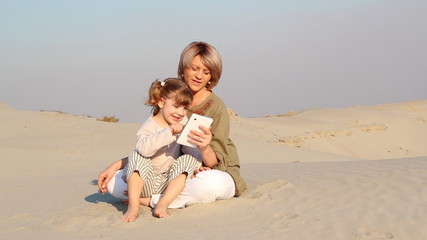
(98,57)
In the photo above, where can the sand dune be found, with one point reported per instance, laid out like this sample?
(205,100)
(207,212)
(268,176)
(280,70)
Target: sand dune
(350,173)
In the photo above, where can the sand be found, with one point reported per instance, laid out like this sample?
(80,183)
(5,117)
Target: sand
(351,173)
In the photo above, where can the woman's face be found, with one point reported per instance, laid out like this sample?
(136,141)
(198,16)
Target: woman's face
(197,75)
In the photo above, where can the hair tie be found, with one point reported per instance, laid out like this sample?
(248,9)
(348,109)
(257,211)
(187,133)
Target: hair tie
(162,83)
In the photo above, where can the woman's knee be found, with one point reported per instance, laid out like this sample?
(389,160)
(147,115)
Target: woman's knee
(116,186)
(214,184)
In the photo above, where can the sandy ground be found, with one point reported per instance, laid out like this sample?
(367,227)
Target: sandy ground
(352,173)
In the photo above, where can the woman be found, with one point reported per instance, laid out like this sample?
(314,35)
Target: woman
(200,66)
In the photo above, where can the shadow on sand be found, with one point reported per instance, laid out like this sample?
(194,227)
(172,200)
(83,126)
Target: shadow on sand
(106,198)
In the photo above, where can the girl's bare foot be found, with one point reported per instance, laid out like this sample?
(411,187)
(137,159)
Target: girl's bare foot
(160,211)
(131,214)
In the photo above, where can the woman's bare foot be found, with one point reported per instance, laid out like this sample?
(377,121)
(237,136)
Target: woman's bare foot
(131,214)
(142,201)
(160,211)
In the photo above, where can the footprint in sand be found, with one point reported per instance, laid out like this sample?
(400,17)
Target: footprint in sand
(374,127)
(284,221)
(371,234)
(280,222)
(421,119)
(293,141)
(264,190)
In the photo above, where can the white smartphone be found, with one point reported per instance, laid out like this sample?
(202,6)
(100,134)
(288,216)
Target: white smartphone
(193,123)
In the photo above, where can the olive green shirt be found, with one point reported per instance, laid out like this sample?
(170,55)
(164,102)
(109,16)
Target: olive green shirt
(224,148)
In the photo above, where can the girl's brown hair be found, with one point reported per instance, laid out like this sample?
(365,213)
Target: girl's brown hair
(169,88)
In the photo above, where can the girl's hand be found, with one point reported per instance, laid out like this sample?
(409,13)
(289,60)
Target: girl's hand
(176,128)
(200,139)
(201,169)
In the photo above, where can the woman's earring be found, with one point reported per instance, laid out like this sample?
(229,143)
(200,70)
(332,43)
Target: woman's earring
(208,84)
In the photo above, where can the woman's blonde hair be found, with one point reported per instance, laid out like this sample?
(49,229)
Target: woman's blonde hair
(209,56)
(169,88)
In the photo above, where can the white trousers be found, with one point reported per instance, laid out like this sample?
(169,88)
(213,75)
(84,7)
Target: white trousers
(207,186)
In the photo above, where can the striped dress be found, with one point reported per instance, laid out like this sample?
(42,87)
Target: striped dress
(157,159)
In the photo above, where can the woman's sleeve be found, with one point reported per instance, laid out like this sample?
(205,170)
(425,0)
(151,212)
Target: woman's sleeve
(225,150)
(220,134)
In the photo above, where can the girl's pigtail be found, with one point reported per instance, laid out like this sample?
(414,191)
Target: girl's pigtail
(154,95)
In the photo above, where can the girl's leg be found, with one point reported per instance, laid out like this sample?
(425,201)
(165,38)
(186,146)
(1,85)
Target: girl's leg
(135,185)
(142,201)
(119,189)
(172,191)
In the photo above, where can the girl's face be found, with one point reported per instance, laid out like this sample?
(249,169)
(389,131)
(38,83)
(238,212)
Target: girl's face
(170,111)
(197,75)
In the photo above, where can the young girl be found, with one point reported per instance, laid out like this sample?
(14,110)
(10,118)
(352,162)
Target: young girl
(155,166)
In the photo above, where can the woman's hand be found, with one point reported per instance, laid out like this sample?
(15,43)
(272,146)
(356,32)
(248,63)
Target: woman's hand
(106,175)
(200,139)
